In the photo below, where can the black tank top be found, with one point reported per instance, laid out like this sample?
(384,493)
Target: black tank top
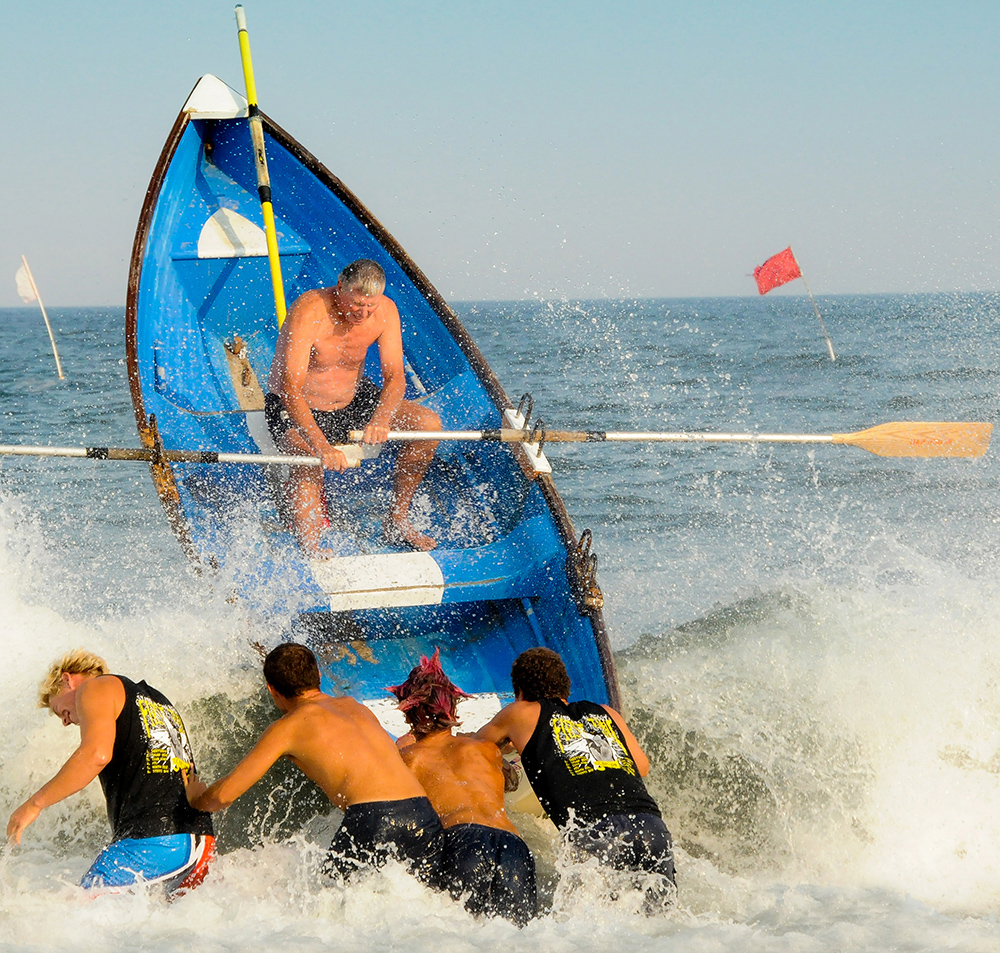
(577,759)
(142,782)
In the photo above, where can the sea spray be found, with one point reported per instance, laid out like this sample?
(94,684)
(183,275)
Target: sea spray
(815,674)
(836,736)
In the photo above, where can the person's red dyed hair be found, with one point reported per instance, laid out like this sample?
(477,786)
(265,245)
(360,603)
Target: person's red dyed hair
(428,699)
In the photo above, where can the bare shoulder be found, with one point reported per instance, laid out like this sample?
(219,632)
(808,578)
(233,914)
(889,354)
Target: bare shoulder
(347,706)
(473,744)
(518,712)
(310,307)
(349,709)
(102,683)
(514,722)
(387,307)
(105,689)
(616,715)
(388,314)
(469,746)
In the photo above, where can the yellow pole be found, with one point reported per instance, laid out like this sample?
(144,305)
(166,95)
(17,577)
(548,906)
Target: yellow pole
(260,159)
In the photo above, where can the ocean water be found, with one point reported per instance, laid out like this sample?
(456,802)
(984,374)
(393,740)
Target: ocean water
(808,637)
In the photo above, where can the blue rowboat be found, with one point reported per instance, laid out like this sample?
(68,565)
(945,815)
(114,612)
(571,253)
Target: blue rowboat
(509,571)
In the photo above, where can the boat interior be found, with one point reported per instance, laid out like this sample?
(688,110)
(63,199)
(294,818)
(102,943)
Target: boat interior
(499,554)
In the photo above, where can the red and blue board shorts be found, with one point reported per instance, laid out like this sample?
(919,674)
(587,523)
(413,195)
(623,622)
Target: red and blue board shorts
(177,862)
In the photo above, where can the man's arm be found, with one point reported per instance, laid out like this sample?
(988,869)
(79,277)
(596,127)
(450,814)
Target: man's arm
(270,746)
(390,353)
(299,332)
(495,730)
(99,702)
(512,726)
(634,748)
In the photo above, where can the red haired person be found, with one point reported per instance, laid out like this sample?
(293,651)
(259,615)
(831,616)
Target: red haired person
(482,855)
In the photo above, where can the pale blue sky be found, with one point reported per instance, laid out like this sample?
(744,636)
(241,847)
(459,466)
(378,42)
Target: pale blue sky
(553,149)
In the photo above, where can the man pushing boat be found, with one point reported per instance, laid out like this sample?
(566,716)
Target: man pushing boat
(585,766)
(339,744)
(483,858)
(318,394)
(133,739)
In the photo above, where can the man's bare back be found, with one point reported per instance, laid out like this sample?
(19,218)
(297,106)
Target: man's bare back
(463,777)
(339,744)
(483,858)
(336,742)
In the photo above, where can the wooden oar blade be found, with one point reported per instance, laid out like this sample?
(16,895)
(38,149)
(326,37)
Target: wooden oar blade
(912,439)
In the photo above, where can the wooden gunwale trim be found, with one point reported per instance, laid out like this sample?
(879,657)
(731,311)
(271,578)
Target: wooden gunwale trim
(561,515)
(162,473)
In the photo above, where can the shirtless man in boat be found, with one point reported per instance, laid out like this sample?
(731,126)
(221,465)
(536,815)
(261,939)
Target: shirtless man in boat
(318,394)
(585,766)
(339,744)
(482,855)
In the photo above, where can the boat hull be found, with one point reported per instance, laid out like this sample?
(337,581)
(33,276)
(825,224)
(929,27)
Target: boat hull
(201,334)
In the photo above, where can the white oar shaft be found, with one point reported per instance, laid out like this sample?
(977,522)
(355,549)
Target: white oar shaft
(16,450)
(170,456)
(719,437)
(599,436)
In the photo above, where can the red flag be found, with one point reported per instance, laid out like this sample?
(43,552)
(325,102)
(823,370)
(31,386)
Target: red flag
(777,270)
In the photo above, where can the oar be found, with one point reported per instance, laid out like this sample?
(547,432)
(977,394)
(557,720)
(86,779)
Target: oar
(900,439)
(355,453)
(260,159)
(887,440)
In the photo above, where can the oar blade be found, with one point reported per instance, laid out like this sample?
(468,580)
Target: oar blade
(923,439)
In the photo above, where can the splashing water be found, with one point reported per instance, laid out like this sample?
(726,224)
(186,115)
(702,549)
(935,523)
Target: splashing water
(807,644)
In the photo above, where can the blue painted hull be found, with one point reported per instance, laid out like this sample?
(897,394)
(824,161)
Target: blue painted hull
(504,537)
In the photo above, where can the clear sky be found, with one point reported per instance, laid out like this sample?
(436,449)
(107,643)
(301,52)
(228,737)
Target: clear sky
(544,148)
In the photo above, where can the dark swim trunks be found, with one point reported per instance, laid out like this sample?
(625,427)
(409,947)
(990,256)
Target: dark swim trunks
(374,831)
(493,868)
(629,842)
(336,425)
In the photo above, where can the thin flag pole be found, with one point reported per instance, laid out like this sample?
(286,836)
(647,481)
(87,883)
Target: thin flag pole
(829,343)
(260,159)
(38,298)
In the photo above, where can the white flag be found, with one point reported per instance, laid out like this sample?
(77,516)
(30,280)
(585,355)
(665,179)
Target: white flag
(24,288)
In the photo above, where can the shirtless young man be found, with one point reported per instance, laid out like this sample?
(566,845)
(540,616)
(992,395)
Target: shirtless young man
(133,739)
(585,766)
(339,744)
(482,854)
(318,394)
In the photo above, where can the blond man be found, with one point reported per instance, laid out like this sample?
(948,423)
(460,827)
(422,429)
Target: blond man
(134,740)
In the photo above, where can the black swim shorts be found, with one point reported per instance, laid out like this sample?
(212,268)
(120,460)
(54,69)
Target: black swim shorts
(374,831)
(335,425)
(629,842)
(493,868)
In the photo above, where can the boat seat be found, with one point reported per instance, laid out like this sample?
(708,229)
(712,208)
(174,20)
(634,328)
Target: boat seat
(507,568)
